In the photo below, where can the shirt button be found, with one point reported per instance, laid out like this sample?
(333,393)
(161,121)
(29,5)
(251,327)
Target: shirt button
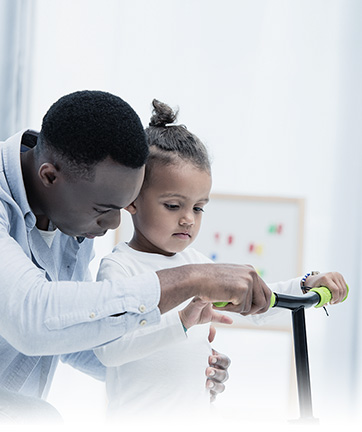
(142,308)
(92,315)
(143,322)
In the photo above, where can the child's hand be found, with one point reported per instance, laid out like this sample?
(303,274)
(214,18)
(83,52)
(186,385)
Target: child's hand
(200,312)
(333,281)
(217,373)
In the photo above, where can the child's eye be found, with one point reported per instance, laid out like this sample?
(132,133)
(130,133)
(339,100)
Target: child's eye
(172,206)
(198,209)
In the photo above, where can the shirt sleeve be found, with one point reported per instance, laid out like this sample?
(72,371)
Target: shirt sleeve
(39,317)
(141,342)
(87,362)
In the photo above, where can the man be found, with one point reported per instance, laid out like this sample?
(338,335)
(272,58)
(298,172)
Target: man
(58,191)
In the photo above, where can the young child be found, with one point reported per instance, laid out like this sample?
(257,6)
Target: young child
(145,373)
(149,370)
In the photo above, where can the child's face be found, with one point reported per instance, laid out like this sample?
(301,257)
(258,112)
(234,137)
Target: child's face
(167,214)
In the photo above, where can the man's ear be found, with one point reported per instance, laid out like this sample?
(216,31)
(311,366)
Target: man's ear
(48,174)
(132,208)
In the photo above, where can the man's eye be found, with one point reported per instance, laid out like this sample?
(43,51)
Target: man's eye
(101,211)
(198,209)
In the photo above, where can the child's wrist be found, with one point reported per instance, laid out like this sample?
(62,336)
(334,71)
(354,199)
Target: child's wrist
(304,283)
(182,322)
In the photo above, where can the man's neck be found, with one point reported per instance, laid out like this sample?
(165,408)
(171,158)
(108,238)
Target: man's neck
(29,177)
(42,223)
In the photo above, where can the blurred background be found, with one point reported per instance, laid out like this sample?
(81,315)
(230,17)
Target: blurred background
(273,88)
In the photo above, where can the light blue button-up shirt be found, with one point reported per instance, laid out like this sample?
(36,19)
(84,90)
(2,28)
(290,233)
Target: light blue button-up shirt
(47,308)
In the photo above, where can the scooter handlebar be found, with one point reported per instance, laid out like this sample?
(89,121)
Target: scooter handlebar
(316,297)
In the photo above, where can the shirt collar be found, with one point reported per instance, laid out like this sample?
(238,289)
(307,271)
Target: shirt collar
(13,172)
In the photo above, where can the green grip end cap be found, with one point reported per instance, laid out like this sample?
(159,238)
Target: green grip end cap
(272,300)
(220,304)
(347,293)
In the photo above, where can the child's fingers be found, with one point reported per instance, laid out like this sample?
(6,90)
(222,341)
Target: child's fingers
(220,318)
(334,281)
(337,286)
(212,333)
(219,361)
(219,388)
(342,285)
(217,375)
(215,388)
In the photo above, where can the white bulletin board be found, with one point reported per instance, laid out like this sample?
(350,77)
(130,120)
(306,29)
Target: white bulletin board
(266,232)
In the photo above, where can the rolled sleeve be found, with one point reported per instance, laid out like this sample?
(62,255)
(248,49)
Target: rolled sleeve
(143,342)
(135,297)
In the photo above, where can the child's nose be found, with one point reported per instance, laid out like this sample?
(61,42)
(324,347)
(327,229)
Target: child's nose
(187,219)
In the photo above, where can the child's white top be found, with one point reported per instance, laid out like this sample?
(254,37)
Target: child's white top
(158,368)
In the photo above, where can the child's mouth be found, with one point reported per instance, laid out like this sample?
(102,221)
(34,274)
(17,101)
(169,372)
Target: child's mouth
(183,236)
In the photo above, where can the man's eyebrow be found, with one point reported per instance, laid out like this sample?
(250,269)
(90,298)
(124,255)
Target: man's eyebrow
(112,206)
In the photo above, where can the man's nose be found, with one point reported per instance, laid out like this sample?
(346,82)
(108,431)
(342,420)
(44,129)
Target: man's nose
(110,220)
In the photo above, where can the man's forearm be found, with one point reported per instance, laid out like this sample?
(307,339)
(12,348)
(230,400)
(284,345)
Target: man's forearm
(177,285)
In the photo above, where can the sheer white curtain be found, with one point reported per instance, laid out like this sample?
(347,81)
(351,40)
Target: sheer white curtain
(15,44)
(344,358)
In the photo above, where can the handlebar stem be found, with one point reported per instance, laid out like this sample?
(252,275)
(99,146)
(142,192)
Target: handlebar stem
(295,302)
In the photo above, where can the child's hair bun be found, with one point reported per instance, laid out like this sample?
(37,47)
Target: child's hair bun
(162,114)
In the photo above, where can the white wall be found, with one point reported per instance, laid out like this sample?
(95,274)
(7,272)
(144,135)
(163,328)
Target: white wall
(266,84)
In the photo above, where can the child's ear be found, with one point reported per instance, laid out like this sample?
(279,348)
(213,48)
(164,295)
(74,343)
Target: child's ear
(131,208)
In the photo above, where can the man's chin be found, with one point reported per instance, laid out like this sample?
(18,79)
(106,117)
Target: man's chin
(93,236)
(87,235)
(72,233)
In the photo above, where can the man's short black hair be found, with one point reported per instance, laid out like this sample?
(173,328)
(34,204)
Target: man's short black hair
(86,127)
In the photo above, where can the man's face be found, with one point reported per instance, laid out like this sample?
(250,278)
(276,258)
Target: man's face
(89,208)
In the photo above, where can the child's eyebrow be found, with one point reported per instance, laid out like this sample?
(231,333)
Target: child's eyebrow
(175,195)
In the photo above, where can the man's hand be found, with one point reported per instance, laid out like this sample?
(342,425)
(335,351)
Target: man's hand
(200,312)
(239,285)
(248,293)
(333,281)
